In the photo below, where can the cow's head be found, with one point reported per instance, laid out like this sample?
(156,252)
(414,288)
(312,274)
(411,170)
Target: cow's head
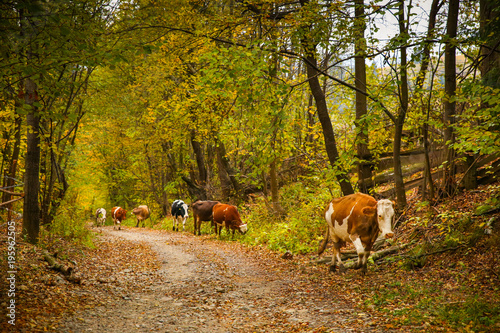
(385,212)
(243,228)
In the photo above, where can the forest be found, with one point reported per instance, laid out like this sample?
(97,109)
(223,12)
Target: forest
(274,107)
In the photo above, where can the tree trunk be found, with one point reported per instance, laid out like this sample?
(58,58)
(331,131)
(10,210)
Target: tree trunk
(365,182)
(310,120)
(403,108)
(9,181)
(470,177)
(428,182)
(426,53)
(326,124)
(227,170)
(490,56)
(450,85)
(31,211)
(225,182)
(323,115)
(200,159)
(275,198)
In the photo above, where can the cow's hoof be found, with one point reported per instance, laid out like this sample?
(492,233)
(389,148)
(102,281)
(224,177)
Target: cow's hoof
(332,268)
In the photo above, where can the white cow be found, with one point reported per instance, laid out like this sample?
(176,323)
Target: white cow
(100,216)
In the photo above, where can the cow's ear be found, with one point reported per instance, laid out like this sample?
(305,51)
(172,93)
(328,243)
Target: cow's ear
(369,210)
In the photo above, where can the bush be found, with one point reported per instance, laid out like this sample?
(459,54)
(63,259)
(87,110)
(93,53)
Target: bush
(302,227)
(70,223)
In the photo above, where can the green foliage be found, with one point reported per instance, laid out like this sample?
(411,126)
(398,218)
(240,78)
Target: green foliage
(479,126)
(70,222)
(493,202)
(300,230)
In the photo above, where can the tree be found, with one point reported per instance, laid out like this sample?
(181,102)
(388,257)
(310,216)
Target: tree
(490,56)
(42,47)
(309,49)
(419,84)
(450,86)
(365,163)
(403,107)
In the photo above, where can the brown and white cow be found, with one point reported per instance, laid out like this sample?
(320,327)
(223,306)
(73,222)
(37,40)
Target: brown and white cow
(202,211)
(119,214)
(228,216)
(357,218)
(141,214)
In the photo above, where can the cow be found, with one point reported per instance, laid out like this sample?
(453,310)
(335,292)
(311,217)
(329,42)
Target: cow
(179,212)
(227,216)
(119,214)
(202,211)
(100,216)
(357,218)
(141,214)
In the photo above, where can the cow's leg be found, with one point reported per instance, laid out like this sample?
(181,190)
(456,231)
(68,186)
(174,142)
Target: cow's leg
(364,262)
(197,223)
(336,257)
(360,249)
(137,225)
(337,243)
(184,223)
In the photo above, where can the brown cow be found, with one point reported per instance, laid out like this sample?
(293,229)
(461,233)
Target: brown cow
(358,219)
(141,214)
(119,214)
(202,211)
(228,216)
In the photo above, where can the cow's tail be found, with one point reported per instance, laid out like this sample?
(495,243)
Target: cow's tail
(323,244)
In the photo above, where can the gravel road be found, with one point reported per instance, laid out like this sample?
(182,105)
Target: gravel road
(205,285)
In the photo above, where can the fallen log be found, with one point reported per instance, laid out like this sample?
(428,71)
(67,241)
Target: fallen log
(352,254)
(65,270)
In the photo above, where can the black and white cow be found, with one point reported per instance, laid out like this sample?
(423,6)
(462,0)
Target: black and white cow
(179,212)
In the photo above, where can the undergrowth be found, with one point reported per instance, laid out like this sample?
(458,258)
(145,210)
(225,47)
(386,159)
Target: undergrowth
(416,304)
(69,223)
(299,231)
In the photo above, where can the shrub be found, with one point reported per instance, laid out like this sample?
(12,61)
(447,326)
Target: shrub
(70,222)
(302,227)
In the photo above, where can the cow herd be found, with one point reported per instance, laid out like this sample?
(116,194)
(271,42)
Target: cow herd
(220,215)
(357,218)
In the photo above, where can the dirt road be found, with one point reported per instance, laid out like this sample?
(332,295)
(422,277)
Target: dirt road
(205,285)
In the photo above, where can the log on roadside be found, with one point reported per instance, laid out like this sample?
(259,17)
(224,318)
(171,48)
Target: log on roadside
(66,271)
(352,254)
